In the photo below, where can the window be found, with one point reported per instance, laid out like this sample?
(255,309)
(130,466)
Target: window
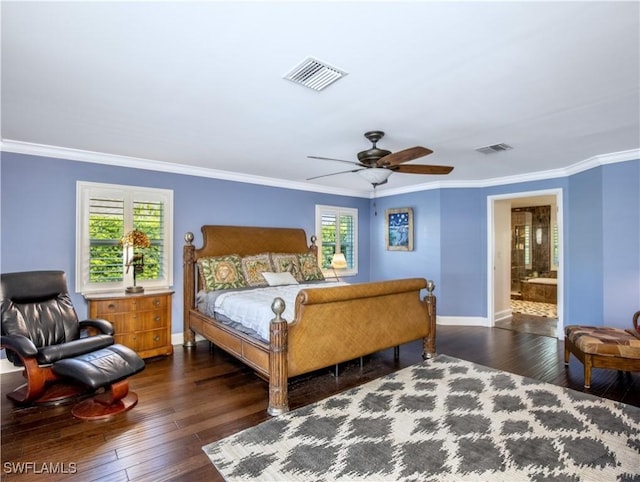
(337,232)
(527,246)
(104,213)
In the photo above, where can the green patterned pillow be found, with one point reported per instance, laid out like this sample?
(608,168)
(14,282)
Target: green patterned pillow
(221,272)
(287,262)
(309,267)
(254,266)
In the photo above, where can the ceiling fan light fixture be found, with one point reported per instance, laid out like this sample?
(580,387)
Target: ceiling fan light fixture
(375,175)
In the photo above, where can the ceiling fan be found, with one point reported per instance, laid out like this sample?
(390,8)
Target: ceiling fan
(376,165)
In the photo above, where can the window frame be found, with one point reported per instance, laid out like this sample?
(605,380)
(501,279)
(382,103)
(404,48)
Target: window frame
(339,211)
(85,191)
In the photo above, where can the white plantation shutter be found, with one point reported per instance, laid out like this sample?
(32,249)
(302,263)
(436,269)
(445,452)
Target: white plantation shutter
(327,246)
(105,212)
(347,237)
(148,217)
(106,227)
(336,230)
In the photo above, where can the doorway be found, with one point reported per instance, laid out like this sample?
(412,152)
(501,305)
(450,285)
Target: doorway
(520,288)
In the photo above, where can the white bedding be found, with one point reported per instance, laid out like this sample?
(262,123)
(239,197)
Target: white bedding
(252,308)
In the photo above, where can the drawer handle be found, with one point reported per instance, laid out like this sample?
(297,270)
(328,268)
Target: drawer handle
(156,302)
(156,338)
(111,306)
(157,318)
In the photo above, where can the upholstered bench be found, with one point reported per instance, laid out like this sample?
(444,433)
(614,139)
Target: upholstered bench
(603,347)
(106,369)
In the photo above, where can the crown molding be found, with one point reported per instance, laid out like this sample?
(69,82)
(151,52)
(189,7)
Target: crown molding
(595,161)
(42,150)
(79,155)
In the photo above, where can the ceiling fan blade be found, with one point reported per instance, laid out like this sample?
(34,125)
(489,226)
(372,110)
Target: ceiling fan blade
(422,169)
(333,174)
(332,159)
(405,155)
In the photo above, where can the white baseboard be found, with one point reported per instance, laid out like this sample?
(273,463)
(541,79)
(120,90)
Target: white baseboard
(504,314)
(7,367)
(178,338)
(462,321)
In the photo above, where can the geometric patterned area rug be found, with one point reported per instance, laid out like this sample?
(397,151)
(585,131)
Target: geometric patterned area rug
(444,419)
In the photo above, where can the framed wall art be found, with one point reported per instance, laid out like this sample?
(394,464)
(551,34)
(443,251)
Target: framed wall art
(398,231)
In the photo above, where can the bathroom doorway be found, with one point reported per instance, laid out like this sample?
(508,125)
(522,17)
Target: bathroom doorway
(525,262)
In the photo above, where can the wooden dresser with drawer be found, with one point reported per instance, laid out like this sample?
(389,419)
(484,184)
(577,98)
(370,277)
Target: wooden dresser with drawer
(141,321)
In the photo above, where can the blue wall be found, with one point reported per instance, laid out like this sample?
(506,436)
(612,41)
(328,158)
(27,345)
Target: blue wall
(39,214)
(601,244)
(601,238)
(449,247)
(621,242)
(584,257)
(424,261)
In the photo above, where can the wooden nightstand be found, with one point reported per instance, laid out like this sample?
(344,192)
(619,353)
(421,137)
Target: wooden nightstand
(141,321)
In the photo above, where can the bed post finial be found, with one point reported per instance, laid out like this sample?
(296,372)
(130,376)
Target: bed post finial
(429,342)
(430,286)
(278,368)
(189,287)
(314,247)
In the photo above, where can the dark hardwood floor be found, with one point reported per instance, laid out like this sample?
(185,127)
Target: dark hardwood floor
(198,396)
(527,323)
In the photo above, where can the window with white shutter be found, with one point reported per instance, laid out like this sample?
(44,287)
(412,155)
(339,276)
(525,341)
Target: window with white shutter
(105,212)
(337,232)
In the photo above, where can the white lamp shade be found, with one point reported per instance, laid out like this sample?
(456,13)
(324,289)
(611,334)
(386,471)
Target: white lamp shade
(339,261)
(375,175)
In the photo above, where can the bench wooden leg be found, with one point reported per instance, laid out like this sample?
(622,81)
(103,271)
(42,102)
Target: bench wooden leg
(588,363)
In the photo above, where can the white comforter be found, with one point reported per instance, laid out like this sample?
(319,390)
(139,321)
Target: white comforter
(252,308)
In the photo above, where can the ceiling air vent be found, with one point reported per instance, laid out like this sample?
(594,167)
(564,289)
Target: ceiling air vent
(314,74)
(494,148)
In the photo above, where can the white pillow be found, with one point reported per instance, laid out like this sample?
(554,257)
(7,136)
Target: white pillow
(278,279)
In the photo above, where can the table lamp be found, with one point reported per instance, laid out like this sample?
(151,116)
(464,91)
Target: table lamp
(132,240)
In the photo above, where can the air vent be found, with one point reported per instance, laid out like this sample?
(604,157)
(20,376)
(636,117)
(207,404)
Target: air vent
(314,74)
(494,148)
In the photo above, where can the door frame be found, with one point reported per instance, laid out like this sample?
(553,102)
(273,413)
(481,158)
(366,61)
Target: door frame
(491,250)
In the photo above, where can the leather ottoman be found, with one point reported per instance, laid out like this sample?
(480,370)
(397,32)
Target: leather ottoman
(105,370)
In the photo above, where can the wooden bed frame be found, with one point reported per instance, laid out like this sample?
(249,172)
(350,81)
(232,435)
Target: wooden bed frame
(332,325)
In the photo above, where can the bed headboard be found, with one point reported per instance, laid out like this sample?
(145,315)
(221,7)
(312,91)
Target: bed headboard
(241,240)
(248,240)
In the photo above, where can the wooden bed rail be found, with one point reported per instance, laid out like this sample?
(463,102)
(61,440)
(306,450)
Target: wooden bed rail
(279,346)
(330,325)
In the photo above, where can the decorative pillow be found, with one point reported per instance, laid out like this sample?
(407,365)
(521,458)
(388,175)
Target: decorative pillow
(282,262)
(221,272)
(254,266)
(309,267)
(278,279)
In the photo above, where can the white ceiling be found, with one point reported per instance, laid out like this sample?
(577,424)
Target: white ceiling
(201,83)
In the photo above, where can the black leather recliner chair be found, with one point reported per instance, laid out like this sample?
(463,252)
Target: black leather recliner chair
(41,332)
